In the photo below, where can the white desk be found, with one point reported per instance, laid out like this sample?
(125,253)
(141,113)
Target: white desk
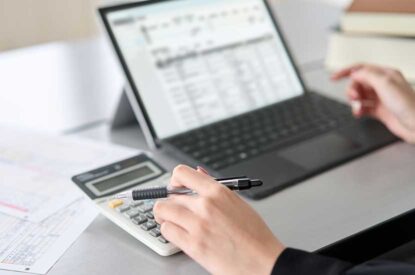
(309,215)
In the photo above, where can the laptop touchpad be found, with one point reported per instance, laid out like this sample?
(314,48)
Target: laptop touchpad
(319,151)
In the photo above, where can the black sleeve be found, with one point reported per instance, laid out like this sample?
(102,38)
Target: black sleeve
(296,262)
(293,261)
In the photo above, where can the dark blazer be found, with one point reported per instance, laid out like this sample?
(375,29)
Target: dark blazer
(297,262)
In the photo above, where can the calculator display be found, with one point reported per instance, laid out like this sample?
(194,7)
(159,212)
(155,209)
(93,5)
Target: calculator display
(119,176)
(136,174)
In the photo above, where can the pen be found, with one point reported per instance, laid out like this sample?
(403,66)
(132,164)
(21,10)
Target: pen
(234,184)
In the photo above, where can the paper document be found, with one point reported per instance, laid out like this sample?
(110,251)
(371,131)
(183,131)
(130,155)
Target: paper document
(35,247)
(36,170)
(41,211)
(31,195)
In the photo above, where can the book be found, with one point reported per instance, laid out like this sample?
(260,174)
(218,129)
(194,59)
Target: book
(347,49)
(383,17)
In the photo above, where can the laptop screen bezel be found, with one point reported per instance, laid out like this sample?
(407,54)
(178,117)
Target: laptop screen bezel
(104,11)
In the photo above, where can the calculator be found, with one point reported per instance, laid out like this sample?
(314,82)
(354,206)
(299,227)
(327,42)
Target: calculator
(135,217)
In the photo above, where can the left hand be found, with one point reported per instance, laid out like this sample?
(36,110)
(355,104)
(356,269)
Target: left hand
(216,228)
(391,98)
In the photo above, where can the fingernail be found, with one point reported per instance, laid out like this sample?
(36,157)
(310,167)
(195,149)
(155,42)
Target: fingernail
(356,105)
(203,170)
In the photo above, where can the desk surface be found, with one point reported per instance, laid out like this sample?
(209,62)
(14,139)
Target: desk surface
(309,215)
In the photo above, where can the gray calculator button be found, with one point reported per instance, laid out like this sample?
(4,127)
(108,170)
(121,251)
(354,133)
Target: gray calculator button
(158,226)
(150,215)
(155,233)
(148,225)
(132,213)
(123,208)
(139,220)
(145,208)
(162,239)
(136,203)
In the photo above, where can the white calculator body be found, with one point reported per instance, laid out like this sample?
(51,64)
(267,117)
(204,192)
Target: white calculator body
(135,217)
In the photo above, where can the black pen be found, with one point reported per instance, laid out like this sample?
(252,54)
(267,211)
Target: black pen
(234,184)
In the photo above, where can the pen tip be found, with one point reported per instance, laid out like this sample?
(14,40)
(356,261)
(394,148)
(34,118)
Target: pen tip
(256,182)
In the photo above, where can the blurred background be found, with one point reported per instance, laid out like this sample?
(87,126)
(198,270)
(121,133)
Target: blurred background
(55,58)
(30,22)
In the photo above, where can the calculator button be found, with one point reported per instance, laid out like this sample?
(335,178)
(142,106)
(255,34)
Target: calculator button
(132,213)
(158,226)
(115,203)
(136,203)
(139,220)
(145,208)
(155,233)
(123,208)
(162,239)
(150,215)
(148,225)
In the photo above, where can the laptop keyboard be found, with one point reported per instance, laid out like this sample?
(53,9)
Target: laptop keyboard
(235,140)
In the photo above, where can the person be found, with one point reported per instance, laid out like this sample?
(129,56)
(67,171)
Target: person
(213,228)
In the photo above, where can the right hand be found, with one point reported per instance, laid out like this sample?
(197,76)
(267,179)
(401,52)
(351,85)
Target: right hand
(216,228)
(392,97)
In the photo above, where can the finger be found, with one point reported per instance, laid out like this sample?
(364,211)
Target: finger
(357,108)
(175,234)
(349,71)
(199,169)
(202,170)
(346,72)
(186,201)
(353,91)
(190,178)
(371,77)
(354,95)
(359,91)
(170,211)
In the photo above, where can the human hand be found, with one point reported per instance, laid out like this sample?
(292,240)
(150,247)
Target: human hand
(216,228)
(384,94)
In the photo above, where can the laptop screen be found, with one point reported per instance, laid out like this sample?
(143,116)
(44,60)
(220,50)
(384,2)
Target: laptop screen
(196,62)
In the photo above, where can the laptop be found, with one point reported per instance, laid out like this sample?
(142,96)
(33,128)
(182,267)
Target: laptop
(213,84)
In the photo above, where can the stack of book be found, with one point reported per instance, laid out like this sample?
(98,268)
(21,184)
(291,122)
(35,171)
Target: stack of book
(376,31)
